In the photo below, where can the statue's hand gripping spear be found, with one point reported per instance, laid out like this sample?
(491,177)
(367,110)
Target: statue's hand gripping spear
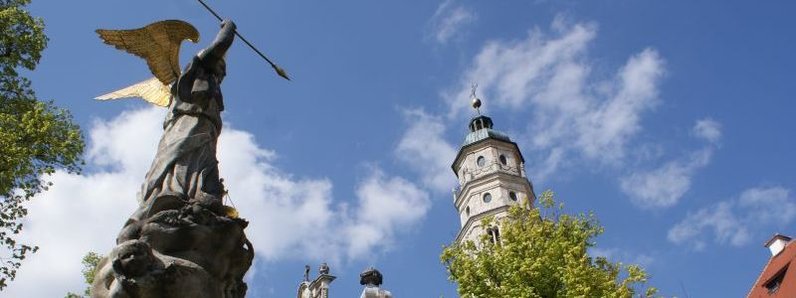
(281,72)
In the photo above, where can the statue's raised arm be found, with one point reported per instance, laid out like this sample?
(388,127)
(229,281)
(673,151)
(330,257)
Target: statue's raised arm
(202,77)
(220,45)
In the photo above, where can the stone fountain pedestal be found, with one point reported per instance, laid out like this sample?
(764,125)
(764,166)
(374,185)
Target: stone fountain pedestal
(192,250)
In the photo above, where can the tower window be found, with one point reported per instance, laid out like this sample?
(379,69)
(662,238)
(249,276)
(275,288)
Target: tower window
(503,159)
(494,235)
(487,197)
(513,196)
(467,210)
(480,161)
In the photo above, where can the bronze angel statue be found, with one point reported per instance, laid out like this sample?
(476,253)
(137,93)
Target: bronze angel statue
(181,241)
(185,167)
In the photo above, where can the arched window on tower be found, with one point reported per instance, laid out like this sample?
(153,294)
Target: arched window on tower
(494,235)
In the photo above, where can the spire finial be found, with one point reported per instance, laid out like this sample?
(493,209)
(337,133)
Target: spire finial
(476,102)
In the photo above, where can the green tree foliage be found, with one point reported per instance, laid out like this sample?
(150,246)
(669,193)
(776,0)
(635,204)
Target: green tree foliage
(542,252)
(36,138)
(90,262)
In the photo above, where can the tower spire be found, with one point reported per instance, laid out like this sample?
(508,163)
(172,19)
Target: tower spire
(478,122)
(490,170)
(476,102)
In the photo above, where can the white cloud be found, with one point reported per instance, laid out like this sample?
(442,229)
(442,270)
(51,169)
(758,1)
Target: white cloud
(539,70)
(425,150)
(708,130)
(127,142)
(606,129)
(289,217)
(665,186)
(772,205)
(448,21)
(737,221)
(573,115)
(386,205)
(287,214)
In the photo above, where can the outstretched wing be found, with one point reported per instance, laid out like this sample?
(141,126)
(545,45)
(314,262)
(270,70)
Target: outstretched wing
(151,90)
(158,43)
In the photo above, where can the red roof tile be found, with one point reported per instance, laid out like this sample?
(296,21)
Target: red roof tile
(776,265)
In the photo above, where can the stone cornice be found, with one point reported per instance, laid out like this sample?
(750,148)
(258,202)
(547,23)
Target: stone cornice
(487,178)
(480,144)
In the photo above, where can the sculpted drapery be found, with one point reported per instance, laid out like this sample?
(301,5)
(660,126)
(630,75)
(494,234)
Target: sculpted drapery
(185,166)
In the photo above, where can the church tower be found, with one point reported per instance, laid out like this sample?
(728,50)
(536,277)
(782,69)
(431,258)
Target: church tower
(491,173)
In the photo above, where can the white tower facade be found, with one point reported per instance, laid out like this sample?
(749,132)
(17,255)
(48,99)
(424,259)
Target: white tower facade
(491,173)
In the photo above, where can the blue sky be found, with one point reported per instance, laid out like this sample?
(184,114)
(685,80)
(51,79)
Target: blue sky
(671,120)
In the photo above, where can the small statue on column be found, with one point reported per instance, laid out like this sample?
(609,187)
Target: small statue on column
(372,279)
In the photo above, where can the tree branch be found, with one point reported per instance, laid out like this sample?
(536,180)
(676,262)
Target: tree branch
(18,94)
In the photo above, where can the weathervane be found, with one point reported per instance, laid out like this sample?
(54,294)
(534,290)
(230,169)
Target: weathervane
(476,102)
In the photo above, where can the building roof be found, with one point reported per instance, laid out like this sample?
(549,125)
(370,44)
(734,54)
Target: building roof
(481,128)
(777,271)
(484,133)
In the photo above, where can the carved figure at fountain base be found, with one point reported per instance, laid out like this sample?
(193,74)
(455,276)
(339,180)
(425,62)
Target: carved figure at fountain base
(186,252)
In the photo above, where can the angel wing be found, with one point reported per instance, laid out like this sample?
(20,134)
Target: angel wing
(151,90)
(158,43)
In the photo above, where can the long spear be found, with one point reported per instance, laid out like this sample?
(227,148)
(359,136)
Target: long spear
(281,72)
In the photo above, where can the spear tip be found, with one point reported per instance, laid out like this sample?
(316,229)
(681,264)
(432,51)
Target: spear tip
(281,72)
